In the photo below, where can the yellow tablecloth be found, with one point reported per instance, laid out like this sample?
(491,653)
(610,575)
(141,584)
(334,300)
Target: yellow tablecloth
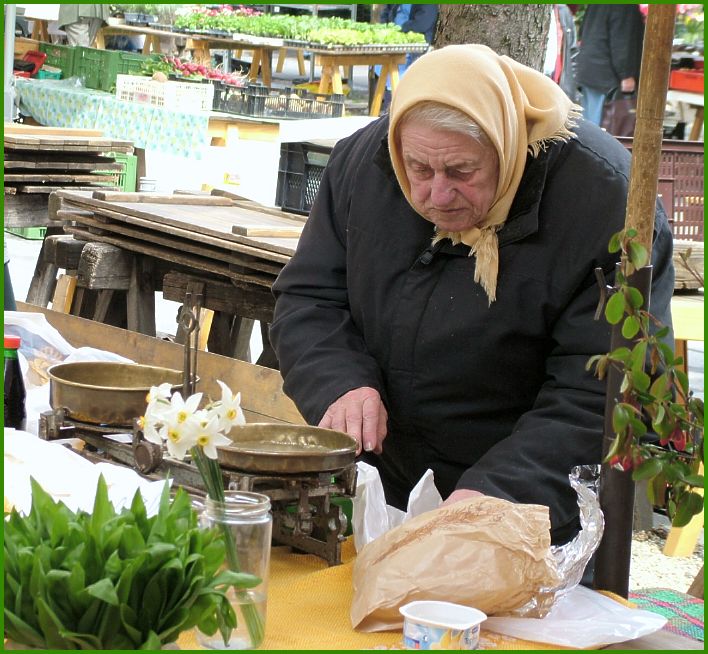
(308,608)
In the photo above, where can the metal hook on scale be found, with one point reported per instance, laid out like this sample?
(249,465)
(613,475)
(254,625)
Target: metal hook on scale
(189,320)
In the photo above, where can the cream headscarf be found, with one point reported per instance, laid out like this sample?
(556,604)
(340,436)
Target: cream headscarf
(518,108)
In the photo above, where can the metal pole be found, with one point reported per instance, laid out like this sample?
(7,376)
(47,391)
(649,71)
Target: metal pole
(617,488)
(8,79)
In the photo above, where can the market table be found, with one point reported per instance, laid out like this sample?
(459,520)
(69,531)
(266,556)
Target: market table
(308,602)
(331,60)
(58,104)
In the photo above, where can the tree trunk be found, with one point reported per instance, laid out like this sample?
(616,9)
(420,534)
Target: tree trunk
(519,31)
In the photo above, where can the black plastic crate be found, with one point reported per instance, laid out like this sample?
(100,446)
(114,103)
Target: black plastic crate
(299,175)
(260,101)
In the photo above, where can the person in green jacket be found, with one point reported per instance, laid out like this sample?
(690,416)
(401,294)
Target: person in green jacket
(82,22)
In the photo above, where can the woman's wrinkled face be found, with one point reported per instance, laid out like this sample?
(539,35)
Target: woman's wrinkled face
(453,177)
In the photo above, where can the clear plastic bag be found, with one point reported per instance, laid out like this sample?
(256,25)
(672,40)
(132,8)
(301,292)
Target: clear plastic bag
(43,346)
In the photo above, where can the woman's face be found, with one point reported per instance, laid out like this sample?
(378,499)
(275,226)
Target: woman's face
(453,177)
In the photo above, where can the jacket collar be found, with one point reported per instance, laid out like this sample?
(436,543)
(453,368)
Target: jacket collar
(524,213)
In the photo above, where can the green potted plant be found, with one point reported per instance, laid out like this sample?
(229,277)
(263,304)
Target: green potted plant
(655,394)
(113,579)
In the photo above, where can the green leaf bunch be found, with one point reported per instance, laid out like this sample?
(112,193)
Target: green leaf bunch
(654,392)
(113,580)
(312,29)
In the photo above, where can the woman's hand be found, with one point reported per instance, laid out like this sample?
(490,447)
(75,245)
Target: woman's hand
(361,414)
(461,494)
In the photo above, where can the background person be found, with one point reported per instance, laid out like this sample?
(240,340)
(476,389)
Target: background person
(439,307)
(82,22)
(411,18)
(610,55)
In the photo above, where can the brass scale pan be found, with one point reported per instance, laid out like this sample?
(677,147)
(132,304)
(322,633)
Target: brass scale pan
(109,393)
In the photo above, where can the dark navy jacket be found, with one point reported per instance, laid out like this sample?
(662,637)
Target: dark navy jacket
(493,398)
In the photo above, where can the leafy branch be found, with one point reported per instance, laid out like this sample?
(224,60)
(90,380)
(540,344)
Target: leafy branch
(655,394)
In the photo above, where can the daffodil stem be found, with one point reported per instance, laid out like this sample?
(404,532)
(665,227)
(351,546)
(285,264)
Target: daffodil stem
(211,474)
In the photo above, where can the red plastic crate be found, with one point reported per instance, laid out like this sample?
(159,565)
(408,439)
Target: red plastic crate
(686,80)
(34,57)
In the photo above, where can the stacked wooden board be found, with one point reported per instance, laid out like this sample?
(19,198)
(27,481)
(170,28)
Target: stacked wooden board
(36,164)
(221,236)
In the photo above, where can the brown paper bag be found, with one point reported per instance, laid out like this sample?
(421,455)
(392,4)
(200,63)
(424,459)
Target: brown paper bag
(483,552)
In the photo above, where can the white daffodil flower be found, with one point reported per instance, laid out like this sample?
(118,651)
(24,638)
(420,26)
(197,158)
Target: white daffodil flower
(149,425)
(180,410)
(209,436)
(229,408)
(179,437)
(157,393)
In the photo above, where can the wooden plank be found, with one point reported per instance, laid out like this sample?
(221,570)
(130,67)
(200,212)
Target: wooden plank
(59,147)
(26,210)
(262,397)
(50,188)
(46,140)
(54,177)
(245,300)
(264,230)
(38,164)
(200,200)
(64,293)
(240,201)
(213,221)
(191,261)
(21,128)
(198,247)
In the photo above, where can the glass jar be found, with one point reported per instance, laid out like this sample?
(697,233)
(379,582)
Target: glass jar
(248,525)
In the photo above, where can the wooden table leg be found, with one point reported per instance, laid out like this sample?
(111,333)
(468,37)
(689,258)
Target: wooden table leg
(141,297)
(697,125)
(39,30)
(44,279)
(255,64)
(152,44)
(325,77)
(202,54)
(681,541)
(379,92)
(281,60)
(268,359)
(100,42)
(266,76)
(393,73)
(337,80)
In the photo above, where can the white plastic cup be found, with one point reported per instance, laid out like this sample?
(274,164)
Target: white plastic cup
(440,625)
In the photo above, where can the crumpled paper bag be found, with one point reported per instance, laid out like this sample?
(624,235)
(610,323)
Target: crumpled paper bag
(483,552)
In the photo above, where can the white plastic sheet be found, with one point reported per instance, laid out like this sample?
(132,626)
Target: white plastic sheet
(583,619)
(67,476)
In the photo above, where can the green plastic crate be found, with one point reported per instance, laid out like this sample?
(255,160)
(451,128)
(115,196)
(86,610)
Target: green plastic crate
(100,68)
(95,68)
(30,233)
(60,56)
(127,178)
(130,63)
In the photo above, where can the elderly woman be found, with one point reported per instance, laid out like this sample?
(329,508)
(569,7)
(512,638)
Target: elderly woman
(439,307)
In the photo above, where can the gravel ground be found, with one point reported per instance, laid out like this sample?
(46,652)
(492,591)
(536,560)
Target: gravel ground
(650,568)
